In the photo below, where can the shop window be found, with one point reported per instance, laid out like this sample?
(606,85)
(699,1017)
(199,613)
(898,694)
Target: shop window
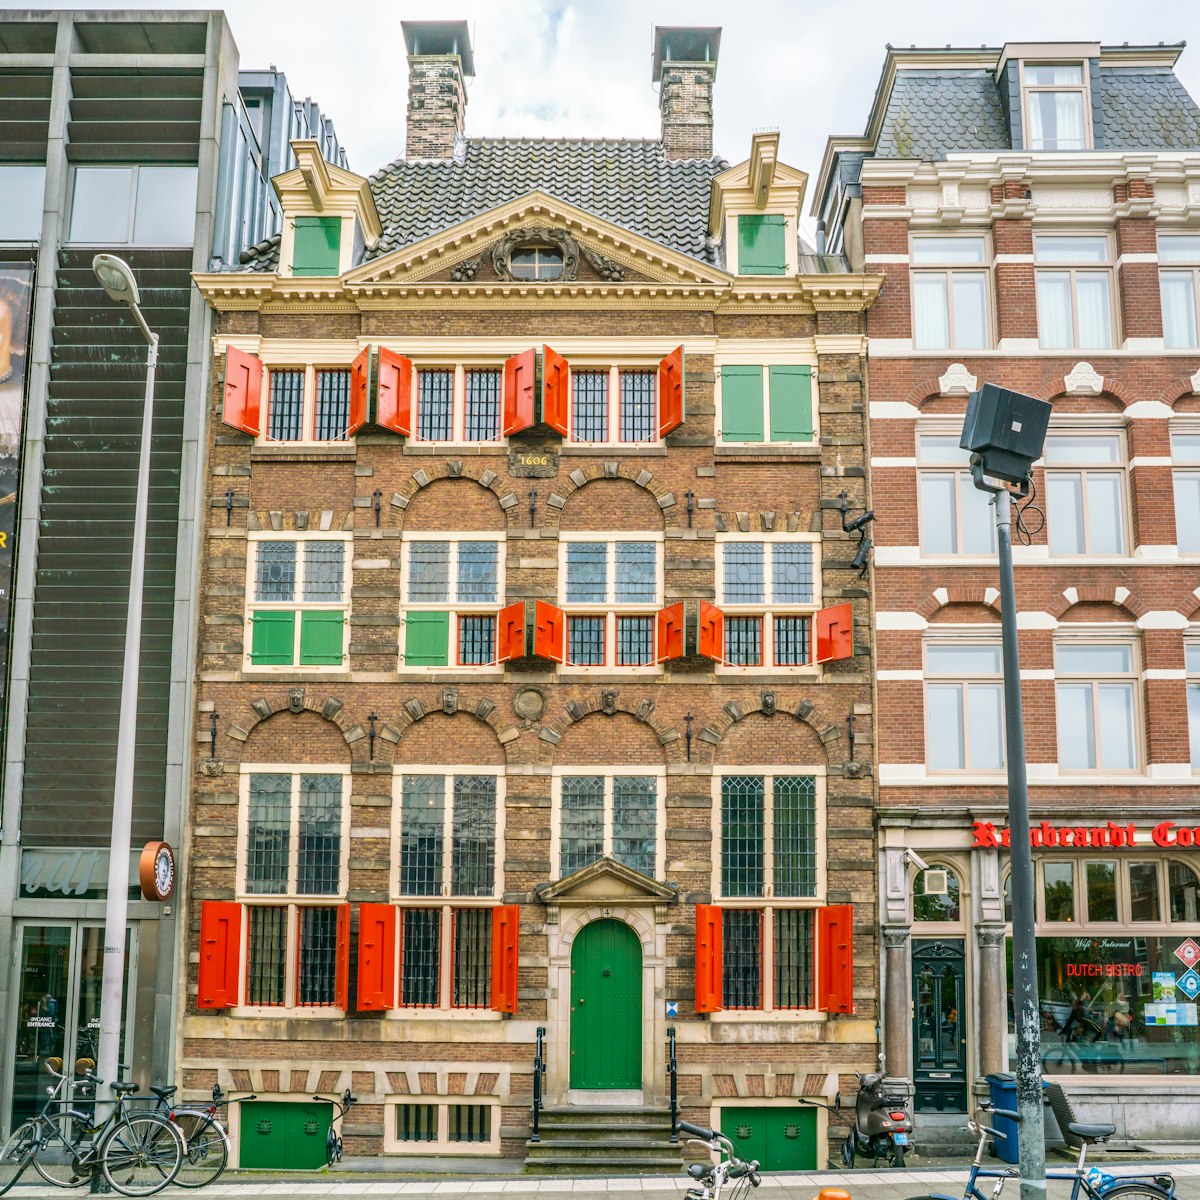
(1185,459)
(1183,893)
(955,516)
(950,293)
(767,404)
(1144,891)
(133,206)
(1085,494)
(611,815)
(964,707)
(1058,891)
(1179,288)
(1096,706)
(1096,891)
(317,246)
(1101,891)
(1055,96)
(298,613)
(762,244)
(23,186)
(1074,291)
(942,904)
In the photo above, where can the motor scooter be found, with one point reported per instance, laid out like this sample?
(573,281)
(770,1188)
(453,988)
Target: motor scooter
(882,1126)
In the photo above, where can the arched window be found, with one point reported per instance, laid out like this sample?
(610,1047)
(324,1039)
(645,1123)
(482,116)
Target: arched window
(1184,892)
(932,902)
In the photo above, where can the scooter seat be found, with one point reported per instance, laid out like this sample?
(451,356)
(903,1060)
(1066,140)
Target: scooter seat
(1091,1131)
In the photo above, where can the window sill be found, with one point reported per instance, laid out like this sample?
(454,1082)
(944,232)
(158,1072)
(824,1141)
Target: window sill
(435,448)
(811,670)
(427,672)
(439,1149)
(762,1015)
(641,449)
(765,451)
(441,1014)
(303,452)
(282,1012)
(571,673)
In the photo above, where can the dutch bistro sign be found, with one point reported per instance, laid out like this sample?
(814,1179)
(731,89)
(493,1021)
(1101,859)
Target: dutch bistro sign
(1107,836)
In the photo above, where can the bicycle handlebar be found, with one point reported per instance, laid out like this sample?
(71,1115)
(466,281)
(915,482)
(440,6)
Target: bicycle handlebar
(708,1135)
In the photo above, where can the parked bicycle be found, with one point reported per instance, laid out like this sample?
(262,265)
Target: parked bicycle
(333,1139)
(206,1143)
(711,1179)
(1093,1185)
(136,1152)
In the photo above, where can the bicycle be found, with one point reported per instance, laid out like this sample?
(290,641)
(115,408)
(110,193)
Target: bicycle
(206,1142)
(333,1140)
(711,1178)
(1122,1187)
(137,1153)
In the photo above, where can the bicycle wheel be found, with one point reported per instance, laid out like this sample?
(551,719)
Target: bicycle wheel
(16,1154)
(207,1149)
(58,1159)
(1136,1191)
(141,1154)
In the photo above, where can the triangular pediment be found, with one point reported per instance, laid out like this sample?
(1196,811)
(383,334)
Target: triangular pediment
(607,880)
(620,256)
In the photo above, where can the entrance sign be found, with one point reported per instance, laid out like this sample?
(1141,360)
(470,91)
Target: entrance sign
(1110,835)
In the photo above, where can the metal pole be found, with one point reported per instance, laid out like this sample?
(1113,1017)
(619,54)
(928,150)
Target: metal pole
(116,906)
(1026,1011)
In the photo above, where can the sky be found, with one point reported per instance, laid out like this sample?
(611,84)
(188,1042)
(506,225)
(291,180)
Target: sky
(547,68)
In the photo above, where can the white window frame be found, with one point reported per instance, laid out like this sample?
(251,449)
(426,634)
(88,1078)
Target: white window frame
(1103,636)
(134,183)
(1083,89)
(769,610)
(962,479)
(962,638)
(755,358)
(659,774)
(1180,267)
(768,903)
(950,271)
(308,418)
(291,900)
(300,537)
(456,608)
(458,414)
(609,608)
(1074,269)
(1120,469)
(442,1144)
(1185,466)
(580,363)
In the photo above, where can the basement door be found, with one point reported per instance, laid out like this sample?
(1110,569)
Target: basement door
(606,1007)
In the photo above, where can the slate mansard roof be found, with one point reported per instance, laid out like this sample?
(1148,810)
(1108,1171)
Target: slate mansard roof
(1147,108)
(630,183)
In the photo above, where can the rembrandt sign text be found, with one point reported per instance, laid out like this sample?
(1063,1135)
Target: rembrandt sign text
(1110,835)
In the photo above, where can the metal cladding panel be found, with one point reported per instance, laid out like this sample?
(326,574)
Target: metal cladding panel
(97,382)
(134,116)
(24,115)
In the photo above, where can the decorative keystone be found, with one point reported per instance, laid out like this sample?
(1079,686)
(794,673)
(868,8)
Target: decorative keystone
(484,709)
(488,478)
(710,735)
(644,710)
(454,468)
(414,708)
(546,734)
(390,733)
(957,381)
(399,501)
(766,522)
(743,522)
(302,519)
(1084,380)
(262,706)
(276,519)
(575,710)
(612,470)
(734,710)
(577,477)
(421,478)
(804,708)
(644,477)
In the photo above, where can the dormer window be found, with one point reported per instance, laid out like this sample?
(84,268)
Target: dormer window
(538,263)
(1055,106)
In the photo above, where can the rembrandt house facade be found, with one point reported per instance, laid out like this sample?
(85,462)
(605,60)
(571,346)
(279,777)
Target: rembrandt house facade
(534,663)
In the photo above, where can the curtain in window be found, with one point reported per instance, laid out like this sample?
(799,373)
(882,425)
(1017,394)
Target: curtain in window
(970,310)
(1105,532)
(1076,736)
(986,705)
(1064,513)
(1187,511)
(1178,310)
(1116,726)
(944,731)
(931,325)
(1056,118)
(978,518)
(1193,705)
(1054,310)
(939,531)
(1095,310)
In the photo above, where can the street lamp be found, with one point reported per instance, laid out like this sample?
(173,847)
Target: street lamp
(116,278)
(1004,432)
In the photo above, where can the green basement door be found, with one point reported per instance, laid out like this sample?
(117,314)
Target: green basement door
(606,1007)
(281,1135)
(779,1139)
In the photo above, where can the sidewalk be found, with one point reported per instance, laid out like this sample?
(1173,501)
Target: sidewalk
(862,1185)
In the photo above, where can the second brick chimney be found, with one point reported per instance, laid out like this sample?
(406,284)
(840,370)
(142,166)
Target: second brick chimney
(439,62)
(685,68)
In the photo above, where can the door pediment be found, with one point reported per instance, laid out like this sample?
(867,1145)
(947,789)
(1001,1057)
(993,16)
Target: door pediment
(607,881)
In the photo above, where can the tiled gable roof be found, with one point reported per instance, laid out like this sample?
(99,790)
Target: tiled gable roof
(1147,108)
(628,183)
(932,113)
(263,256)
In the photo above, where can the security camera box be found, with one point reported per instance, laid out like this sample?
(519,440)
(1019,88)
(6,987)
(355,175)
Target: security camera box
(1006,429)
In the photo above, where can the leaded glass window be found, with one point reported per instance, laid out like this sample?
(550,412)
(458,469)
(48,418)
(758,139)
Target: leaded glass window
(614,816)
(473,854)
(472,981)
(422,834)
(637,406)
(590,415)
(792,573)
(635,641)
(421,954)
(582,822)
(269,827)
(635,799)
(477,641)
(428,572)
(742,956)
(768,849)
(477,571)
(793,957)
(319,845)
(483,405)
(316,965)
(285,420)
(266,963)
(743,641)
(275,579)
(333,405)
(743,573)
(435,406)
(587,572)
(324,570)
(585,641)
(742,825)
(301,811)
(636,574)
(447,834)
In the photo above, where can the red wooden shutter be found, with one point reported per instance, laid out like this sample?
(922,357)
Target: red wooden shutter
(835,958)
(341,978)
(505,938)
(242,408)
(220,954)
(671,409)
(520,392)
(668,633)
(708,958)
(394,408)
(710,637)
(549,631)
(835,633)
(510,632)
(376,957)
(556,390)
(360,391)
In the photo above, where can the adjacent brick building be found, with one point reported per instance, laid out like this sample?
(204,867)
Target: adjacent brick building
(534,668)
(1035,213)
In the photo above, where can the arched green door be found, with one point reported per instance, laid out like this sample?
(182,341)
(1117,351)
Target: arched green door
(606,1007)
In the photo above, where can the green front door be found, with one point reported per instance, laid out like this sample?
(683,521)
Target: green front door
(606,1007)
(779,1139)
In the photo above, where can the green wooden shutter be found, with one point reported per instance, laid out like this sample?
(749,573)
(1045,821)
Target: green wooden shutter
(321,639)
(317,248)
(274,641)
(761,246)
(791,404)
(427,639)
(741,404)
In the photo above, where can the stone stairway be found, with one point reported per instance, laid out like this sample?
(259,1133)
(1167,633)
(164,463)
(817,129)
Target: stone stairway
(604,1141)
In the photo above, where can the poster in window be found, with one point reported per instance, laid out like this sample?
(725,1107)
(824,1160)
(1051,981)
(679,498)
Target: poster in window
(16,294)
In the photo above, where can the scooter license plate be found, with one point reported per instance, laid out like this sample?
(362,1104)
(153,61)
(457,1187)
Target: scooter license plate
(901,1139)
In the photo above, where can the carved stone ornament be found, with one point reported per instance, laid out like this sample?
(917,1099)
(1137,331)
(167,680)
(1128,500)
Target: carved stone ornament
(957,381)
(212,767)
(1195,381)
(465,271)
(990,935)
(450,700)
(604,267)
(1084,381)
(529,704)
(536,235)
(608,702)
(296,699)
(896,936)
(768,703)
(854,770)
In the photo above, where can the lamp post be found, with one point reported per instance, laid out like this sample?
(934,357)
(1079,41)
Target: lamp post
(117,280)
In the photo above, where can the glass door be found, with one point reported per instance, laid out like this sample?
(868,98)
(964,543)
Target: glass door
(58,1008)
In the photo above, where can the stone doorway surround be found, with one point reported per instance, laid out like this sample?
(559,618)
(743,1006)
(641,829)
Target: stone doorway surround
(607,889)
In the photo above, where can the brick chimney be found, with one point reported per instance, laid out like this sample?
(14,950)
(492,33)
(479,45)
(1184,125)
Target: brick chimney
(685,67)
(439,60)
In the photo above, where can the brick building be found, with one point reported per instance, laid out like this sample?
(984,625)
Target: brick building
(534,670)
(1035,213)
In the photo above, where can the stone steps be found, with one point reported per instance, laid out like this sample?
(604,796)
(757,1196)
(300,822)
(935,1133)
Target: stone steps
(603,1141)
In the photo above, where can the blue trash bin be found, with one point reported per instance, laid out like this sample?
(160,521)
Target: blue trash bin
(1002,1093)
